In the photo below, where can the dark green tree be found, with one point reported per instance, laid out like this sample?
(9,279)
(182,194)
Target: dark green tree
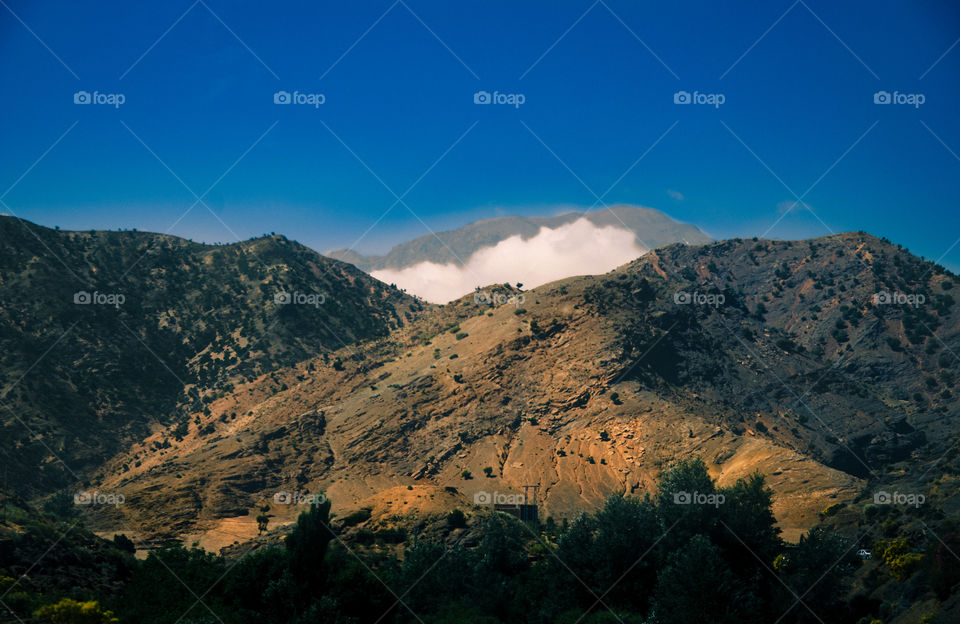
(682,514)
(748,532)
(627,531)
(307,548)
(697,587)
(261,587)
(816,570)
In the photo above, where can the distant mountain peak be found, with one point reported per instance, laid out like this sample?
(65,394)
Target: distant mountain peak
(652,228)
(442,266)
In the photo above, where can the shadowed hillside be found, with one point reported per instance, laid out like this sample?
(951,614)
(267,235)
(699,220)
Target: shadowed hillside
(105,335)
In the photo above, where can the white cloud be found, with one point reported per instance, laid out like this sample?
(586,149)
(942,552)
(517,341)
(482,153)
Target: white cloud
(676,195)
(578,248)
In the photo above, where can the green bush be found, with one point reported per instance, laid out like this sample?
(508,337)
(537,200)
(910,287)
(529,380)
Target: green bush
(357,517)
(69,611)
(895,554)
(456,519)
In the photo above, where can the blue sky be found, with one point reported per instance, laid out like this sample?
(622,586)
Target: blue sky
(398,81)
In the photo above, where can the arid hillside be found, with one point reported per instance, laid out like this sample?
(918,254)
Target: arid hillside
(107,336)
(818,363)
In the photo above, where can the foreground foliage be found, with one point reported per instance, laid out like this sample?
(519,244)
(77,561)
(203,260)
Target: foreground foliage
(694,552)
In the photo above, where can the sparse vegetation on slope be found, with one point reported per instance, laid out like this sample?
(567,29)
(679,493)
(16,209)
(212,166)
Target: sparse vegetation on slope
(122,332)
(722,350)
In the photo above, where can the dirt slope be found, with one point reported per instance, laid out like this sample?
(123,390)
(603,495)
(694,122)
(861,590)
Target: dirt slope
(587,387)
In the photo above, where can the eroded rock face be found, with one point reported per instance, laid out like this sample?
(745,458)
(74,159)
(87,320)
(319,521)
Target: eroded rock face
(591,388)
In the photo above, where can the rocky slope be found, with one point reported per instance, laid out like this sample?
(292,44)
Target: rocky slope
(107,335)
(815,362)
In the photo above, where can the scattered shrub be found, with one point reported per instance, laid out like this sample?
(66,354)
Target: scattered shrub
(357,517)
(456,519)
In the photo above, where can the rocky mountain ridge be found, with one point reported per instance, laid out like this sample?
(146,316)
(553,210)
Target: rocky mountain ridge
(107,336)
(806,360)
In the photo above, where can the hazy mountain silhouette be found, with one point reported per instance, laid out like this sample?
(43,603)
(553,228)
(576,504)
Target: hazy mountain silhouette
(652,229)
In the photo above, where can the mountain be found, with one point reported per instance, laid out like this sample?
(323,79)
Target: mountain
(820,363)
(50,552)
(652,229)
(105,336)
